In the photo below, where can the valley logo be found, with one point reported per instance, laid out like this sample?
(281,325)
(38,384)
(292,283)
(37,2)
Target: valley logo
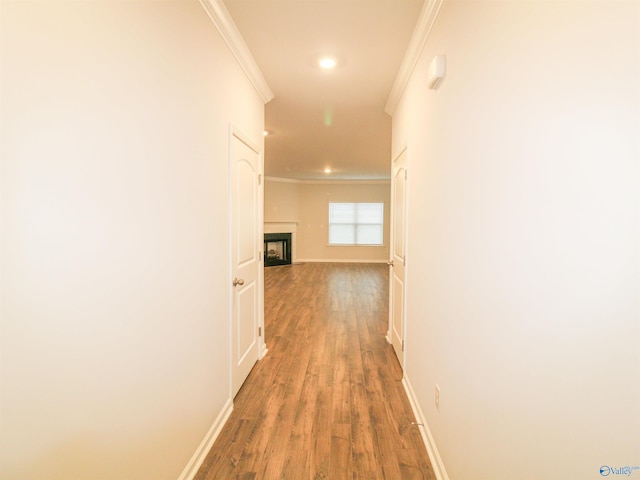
(606,470)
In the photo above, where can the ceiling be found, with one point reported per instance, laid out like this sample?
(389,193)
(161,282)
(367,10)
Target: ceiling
(327,118)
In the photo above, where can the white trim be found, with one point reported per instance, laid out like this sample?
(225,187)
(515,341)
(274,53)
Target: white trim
(264,347)
(327,182)
(434,456)
(221,18)
(421,32)
(281,180)
(200,454)
(379,245)
(280,227)
(338,260)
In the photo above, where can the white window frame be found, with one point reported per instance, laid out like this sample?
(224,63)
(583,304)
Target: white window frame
(356,224)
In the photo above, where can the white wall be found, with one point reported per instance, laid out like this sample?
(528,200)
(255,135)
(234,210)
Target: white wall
(523,238)
(308,204)
(115,306)
(281,201)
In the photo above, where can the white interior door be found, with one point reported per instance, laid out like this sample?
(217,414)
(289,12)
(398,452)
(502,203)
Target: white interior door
(398,262)
(246,264)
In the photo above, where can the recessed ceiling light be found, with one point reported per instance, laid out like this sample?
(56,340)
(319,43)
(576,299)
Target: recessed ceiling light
(327,170)
(327,63)
(266,132)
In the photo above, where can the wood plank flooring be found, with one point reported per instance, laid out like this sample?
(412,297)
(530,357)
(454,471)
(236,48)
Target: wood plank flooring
(327,401)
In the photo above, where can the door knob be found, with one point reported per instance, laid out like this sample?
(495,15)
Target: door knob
(390,263)
(238,281)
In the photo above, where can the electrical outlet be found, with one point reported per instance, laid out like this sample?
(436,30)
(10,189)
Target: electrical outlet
(437,397)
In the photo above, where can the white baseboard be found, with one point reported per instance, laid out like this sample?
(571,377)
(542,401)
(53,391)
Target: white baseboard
(328,260)
(427,438)
(200,454)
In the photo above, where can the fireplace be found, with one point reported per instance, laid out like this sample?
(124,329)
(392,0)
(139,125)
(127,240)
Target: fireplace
(277,249)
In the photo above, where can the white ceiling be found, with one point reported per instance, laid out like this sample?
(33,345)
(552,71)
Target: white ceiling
(321,118)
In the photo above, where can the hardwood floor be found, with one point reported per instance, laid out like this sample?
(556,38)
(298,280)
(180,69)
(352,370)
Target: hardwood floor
(327,401)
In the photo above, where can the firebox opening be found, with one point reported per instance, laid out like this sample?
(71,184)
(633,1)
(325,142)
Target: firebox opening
(277,249)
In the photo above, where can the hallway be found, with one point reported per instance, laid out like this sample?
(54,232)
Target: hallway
(327,401)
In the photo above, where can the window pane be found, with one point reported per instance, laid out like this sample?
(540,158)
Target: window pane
(369,213)
(369,235)
(342,213)
(342,234)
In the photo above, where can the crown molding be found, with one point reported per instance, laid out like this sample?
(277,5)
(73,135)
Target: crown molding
(222,20)
(327,182)
(421,32)
(281,179)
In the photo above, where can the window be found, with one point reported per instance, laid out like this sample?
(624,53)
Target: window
(356,223)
